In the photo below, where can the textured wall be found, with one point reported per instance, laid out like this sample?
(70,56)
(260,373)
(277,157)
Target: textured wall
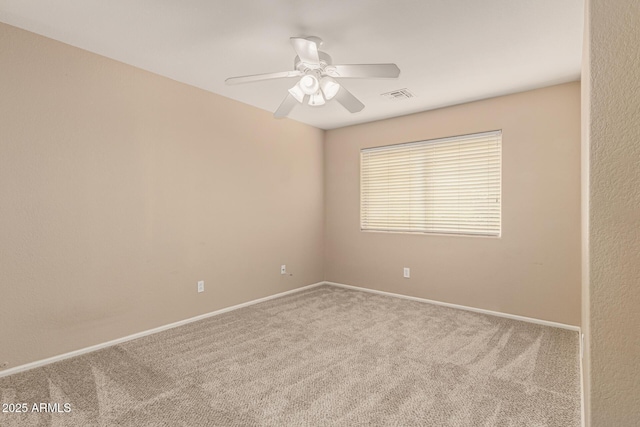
(120,189)
(532,270)
(614,213)
(585,87)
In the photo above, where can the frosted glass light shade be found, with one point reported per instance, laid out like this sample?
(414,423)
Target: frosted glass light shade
(309,84)
(329,87)
(297,92)
(316,99)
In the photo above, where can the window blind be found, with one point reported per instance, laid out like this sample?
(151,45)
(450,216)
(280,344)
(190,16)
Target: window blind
(448,185)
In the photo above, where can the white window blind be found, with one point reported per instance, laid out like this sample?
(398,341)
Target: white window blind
(449,186)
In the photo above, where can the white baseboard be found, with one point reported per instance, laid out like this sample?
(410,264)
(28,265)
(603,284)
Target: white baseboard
(96,347)
(461,307)
(85,350)
(583,413)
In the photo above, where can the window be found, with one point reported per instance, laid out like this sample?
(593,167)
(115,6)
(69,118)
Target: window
(447,186)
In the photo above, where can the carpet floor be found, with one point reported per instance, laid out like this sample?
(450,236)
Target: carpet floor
(326,356)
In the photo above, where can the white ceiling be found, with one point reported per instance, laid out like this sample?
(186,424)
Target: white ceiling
(449,51)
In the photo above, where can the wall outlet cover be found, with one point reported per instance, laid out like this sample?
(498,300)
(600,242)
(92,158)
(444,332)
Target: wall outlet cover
(201,286)
(283,269)
(407,272)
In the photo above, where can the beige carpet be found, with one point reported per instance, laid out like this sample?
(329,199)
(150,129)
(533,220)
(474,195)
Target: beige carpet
(322,357)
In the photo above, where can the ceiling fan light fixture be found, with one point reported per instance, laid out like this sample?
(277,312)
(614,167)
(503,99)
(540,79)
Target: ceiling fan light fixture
(309,84)
(329,87)
(316,71)
(317,99)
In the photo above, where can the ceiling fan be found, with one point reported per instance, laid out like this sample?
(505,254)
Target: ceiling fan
(317,74)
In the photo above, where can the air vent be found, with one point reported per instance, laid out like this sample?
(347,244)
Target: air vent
(398,94)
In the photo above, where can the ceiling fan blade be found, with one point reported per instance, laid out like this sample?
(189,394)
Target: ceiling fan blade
(306,49)
(348,101)
(285,108)
(363,71)
(259,77)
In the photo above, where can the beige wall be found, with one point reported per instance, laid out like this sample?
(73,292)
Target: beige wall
(120,189)
(614,212)
(533,270)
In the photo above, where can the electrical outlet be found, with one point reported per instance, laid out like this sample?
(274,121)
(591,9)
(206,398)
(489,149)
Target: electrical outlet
(407,272)
(201,286)
(4,365)
(283,269)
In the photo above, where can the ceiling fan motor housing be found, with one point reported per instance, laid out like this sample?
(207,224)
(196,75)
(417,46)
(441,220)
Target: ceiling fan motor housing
(325,60)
